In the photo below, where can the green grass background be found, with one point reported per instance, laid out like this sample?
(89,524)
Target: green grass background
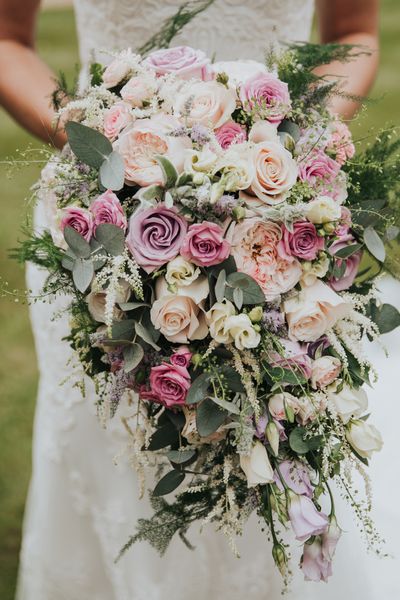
(18,376)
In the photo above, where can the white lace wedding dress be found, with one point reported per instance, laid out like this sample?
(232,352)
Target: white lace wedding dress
(82,505)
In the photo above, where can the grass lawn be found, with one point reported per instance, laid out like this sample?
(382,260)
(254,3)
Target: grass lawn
(57,45)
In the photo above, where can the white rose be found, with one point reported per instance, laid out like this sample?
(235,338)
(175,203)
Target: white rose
(256,466)
(116,72)
(181,272)
(238,70)
(242,331)
(324,371)
(309,407)
(313,311)
(323,210)
(364,438)
(96,301)
(349,402)
(278,402)
(263,131)
(216,319)
(206,102)
(236,168)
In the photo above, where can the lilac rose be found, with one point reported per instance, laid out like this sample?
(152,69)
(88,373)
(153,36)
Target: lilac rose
(295,356)
(183,61)
(303,242)
(107,209)
(318,165)
(79,219)
(155,236)
(205,245)
(265,91)
(352,263)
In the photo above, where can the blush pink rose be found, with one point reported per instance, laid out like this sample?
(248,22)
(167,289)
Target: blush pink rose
(155,236)
(275,172)
(140,145)
(115,72)
(116,119)
(352,263)
(207,103)
(230,133)
(325,370)
(169,385)
(107,209)
(204,244)
(318,165)
(181,357)
(183,61)
(138,90)
(341,142)
(267,93)
(79,219)
(303,242)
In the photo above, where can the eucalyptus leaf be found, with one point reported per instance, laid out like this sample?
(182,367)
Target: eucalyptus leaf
(228,406)
(111,237)
(252,293)
(198,389)
(145,335)
(374,244)
(89,146)
(232,379)
(297,442)
(167,435)
(77,243)
(387,317)
(123,330)
(169,171)
(68,261)
(181,456)
(127,306)
(220,286)
(238,297)
(209,417)
(112,172)
(82,273)
(348,250)
(133,355)
(169,483)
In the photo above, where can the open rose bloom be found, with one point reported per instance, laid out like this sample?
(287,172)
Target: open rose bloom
(209,245)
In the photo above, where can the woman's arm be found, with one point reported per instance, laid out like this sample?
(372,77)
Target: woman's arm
(350,22)
(26,83)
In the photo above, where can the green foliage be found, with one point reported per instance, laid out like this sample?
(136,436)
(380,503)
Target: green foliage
(209,417)
(39,249)
(63,89)
(169,483)
(89,146)
(112,172)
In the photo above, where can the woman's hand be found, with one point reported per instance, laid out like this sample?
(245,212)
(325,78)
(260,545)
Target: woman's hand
(26,83)
(350,22)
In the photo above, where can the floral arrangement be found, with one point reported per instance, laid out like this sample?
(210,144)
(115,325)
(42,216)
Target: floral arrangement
(209,221)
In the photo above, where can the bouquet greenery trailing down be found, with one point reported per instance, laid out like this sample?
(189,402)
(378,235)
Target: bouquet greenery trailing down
(208,222)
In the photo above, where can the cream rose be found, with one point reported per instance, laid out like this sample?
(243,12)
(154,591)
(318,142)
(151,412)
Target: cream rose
(96,301)
(116,71)
(216,319)
(181,273)
(206,102)
(349,402)
(309,407)
(313,311)
(323,210)
(364,438)
(242,331)
(278,402)
(324,371)
(256,466)
(236,168)
(180,317)
(275,172)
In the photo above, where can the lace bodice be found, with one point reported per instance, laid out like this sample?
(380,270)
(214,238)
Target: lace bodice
(229,28)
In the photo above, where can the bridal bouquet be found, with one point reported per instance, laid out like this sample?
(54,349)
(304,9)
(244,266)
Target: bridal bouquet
(208,221)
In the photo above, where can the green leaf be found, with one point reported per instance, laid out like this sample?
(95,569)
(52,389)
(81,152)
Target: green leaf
(77,243)
(112,172)
(167,435)
(198,389)
(181,456)
(220,286)
(68,260)
(169,483)
(232,379)
(238,297)
(287,141)
(133,355)
(252,293)
(387,317)
(82,274)
(228,406)
(146,335)
(291,128)
(88,145)
(111,237)
(374,244)
(127,306)
(123,330)
(209,417)
(169,171)
(184,179)
(348,250)
(152,192)
(297,442)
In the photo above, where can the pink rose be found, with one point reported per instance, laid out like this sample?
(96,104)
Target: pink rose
(155,236)
(230,133)
(265,92)
(318,165)
(116,119)
(208,103)
(183,61)
(204,244)
(169,385)
(303,241)
(275,172)
(138,90)
(352,263)
(325,370)
(181,357)
(80,220)
(117,71)
(255,249)
(143,142)
(341,142)
(107,209)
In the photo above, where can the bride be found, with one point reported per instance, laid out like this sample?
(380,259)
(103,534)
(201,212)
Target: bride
(82,502)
